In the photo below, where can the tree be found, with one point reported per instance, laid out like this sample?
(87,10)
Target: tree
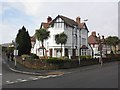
(109,42)
(23,42)
(112,41)
(61,39)
(116,42)
(41,35)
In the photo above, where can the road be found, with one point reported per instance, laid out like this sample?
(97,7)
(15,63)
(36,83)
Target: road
(97,77)
(8,75)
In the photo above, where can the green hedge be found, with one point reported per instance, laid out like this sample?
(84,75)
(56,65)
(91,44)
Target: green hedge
(60,63)
(88,57)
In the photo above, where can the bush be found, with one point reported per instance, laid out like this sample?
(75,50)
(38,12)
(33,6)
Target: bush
(25,56)
(88,57)
(82,57)
(57,61)
(53,58)
(64,58)
(34,56)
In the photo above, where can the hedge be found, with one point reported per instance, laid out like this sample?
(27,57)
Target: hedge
(60,63)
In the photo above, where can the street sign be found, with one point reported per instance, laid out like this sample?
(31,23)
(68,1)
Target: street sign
(15,52)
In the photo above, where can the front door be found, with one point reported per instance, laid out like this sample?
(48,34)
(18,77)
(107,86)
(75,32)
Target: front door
(74,53)
(50,52)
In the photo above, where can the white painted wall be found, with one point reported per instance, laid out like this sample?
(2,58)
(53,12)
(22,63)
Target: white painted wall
(57,29)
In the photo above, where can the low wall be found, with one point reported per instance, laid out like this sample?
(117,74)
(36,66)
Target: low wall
(36,64)
(62,64)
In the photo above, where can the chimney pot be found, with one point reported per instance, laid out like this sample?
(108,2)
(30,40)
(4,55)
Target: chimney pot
(49,19)
(94,33)
(78,19)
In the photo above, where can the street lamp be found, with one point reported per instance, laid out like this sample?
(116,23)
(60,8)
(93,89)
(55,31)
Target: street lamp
(100,49)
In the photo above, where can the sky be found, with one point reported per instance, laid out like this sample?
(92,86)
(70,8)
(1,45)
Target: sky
(102,15)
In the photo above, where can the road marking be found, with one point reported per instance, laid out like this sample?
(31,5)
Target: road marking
(32,78)
(35,78)
(23,80)
(15,81)
(0,74)
(9,82)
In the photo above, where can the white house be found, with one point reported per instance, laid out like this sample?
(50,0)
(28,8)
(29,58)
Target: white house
(77,42)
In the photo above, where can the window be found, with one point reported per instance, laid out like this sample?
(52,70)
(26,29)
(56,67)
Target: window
(83,52)
(58,25)
(83,31)
(83,41)
(47,45)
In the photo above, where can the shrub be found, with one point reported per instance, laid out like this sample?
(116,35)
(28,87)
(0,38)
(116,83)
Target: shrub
(34,56)
(53,58)
(64,58)
(25,56)
(87,57)
(82,57)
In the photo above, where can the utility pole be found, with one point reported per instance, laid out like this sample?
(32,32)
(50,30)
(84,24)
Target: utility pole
(100,49)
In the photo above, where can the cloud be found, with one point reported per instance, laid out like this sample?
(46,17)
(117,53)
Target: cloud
(8,32)
(29,8)
(60,0)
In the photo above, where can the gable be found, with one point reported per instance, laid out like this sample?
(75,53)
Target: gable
(64,19)
(59,20)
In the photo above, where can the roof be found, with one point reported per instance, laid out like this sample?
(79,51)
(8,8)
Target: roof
(6,44)
(45,25)
(33,38)
(70,22)
(92,39)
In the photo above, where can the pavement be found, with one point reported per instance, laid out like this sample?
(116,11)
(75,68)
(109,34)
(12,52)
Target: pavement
(24,70)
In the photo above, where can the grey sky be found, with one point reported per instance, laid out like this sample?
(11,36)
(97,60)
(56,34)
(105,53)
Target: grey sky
(102,16)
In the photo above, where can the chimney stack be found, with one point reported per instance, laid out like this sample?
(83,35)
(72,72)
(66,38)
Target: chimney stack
(94,33)
(49,19)
(78,20)
(103,37)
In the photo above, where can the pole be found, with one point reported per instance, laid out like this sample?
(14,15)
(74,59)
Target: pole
(79,46)
(15,62)
(79,56)
(100,48)
(15,54)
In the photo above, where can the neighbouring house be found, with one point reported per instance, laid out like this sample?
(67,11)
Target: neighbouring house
(93,40)
(77,42)
(33,41)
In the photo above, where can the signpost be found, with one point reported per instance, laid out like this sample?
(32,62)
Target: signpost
(15,54)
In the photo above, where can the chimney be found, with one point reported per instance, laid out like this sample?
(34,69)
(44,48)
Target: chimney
(103,37)
(94,33)
(78,19)
(49,19)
